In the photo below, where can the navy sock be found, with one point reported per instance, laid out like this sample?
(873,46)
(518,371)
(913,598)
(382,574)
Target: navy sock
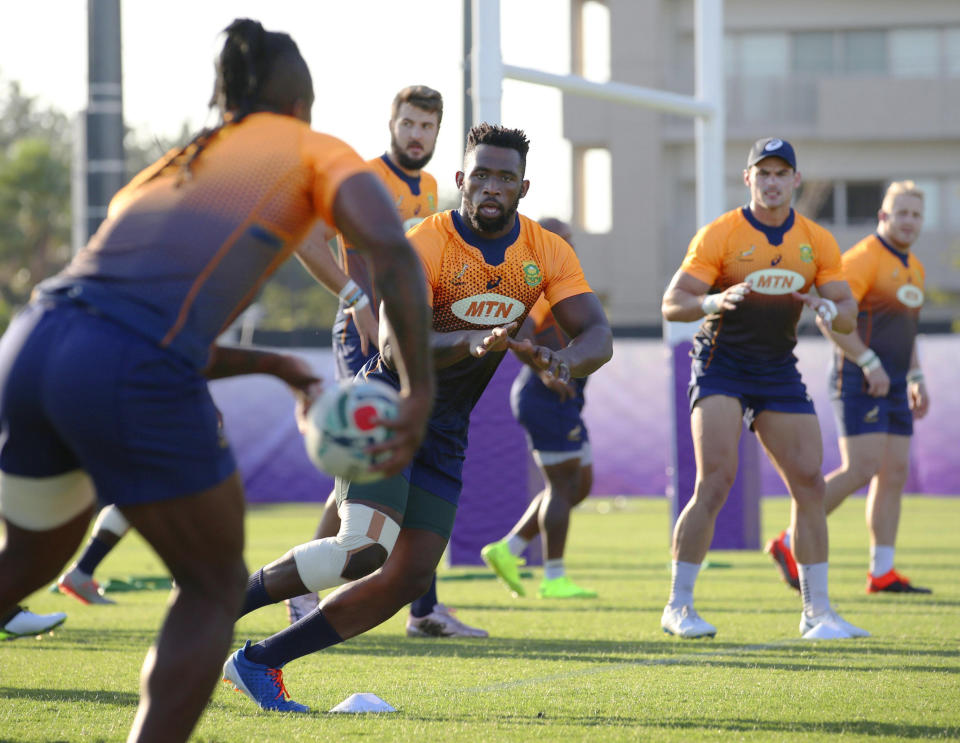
(424,605)
(93,555)
(310,634)
(256,595)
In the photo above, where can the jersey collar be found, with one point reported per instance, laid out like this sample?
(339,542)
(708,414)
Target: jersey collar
(412,181)
(774,234)
(494,250)
(904,257)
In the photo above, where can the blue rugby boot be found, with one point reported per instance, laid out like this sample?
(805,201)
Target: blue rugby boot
(263,684)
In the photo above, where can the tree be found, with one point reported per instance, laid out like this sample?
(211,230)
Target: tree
(34,195)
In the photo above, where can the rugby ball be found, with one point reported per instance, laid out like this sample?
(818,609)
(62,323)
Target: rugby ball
(341,424)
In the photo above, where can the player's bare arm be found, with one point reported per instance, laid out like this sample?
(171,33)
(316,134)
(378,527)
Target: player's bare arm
(366,217)
(853,347)
(591,341)
(315,256)
(916,386)
(229,361)
(688,298)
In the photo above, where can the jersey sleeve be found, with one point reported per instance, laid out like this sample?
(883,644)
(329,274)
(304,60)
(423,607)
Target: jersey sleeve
(540,311)
(429,246)
(333,161)
(860,270)
(564,275)
(829,263)
(704,258)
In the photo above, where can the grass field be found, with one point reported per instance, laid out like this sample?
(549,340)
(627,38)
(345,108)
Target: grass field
(597,670)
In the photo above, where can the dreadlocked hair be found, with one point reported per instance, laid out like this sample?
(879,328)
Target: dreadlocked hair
(257,70)
(498,136)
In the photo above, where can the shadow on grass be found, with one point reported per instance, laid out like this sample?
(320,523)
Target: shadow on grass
(86,696)
(786,655)
(866,728)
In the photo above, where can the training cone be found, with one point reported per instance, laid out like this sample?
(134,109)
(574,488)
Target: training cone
(363,702)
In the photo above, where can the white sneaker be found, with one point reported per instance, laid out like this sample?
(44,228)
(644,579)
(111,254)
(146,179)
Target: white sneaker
(25,624)
(683,621)
(441,623)
(829,626)
(299,606)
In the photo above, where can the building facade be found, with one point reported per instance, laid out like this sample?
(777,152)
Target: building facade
(868,92)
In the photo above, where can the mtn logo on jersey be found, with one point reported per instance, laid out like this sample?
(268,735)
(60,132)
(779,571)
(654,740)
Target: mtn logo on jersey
(910,295)
(775,281)
(488,309)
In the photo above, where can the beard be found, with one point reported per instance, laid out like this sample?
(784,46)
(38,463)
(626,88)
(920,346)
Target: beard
(404,160)
(489,224)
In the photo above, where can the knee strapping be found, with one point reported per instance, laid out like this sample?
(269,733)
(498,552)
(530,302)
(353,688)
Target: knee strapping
(111,520)
(365,534)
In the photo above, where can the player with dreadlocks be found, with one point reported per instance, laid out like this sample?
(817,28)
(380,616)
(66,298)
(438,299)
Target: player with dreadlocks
(103,377)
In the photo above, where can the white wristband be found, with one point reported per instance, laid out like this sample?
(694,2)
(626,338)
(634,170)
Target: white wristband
(915,376)
(868,360)
(360,303)
(351,294)
(711,304)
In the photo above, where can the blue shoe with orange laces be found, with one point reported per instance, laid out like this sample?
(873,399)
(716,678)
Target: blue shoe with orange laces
(263,684)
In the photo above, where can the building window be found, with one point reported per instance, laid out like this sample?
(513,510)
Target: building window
(813,53)
(915,53)
(594,61)
(952,49)
(931,203)
(951,204)
(595,195)
(815,199)
(763,55)
(865,52)
(863,201)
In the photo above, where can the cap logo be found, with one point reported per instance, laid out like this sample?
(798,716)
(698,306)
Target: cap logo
(773,144)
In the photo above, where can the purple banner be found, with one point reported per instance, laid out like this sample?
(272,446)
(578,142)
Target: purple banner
(627,412)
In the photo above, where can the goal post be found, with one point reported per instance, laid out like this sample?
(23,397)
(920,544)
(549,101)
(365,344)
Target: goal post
(738,525)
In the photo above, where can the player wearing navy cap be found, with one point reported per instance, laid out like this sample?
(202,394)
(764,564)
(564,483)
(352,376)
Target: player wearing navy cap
(747,275)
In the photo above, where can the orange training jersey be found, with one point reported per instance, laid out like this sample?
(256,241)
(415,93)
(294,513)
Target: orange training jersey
(415,199)
(777,261)
(888,286)
(181,254)
(474,284)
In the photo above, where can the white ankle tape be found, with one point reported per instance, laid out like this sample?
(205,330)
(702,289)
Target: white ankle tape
(320,563)
(111,520)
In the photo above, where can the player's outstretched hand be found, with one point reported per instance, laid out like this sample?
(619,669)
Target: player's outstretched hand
(547,361)
(409,428)
(303,382)
(483,342)
(726,300)
(825,308)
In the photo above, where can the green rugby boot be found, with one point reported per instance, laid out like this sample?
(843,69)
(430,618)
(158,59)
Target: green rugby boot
(498,558)
(563,588)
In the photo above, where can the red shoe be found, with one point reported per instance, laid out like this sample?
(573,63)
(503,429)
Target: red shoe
(892,582)
(782,555)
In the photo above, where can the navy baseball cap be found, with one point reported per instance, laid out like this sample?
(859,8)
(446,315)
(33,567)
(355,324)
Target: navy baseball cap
(772,147)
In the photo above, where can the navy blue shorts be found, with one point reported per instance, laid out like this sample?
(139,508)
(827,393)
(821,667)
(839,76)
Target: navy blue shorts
(550,425)
(347,354)
(780,390)
(859,413)
(78,391)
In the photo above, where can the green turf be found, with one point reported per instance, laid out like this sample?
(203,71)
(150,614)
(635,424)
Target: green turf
(597,670)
